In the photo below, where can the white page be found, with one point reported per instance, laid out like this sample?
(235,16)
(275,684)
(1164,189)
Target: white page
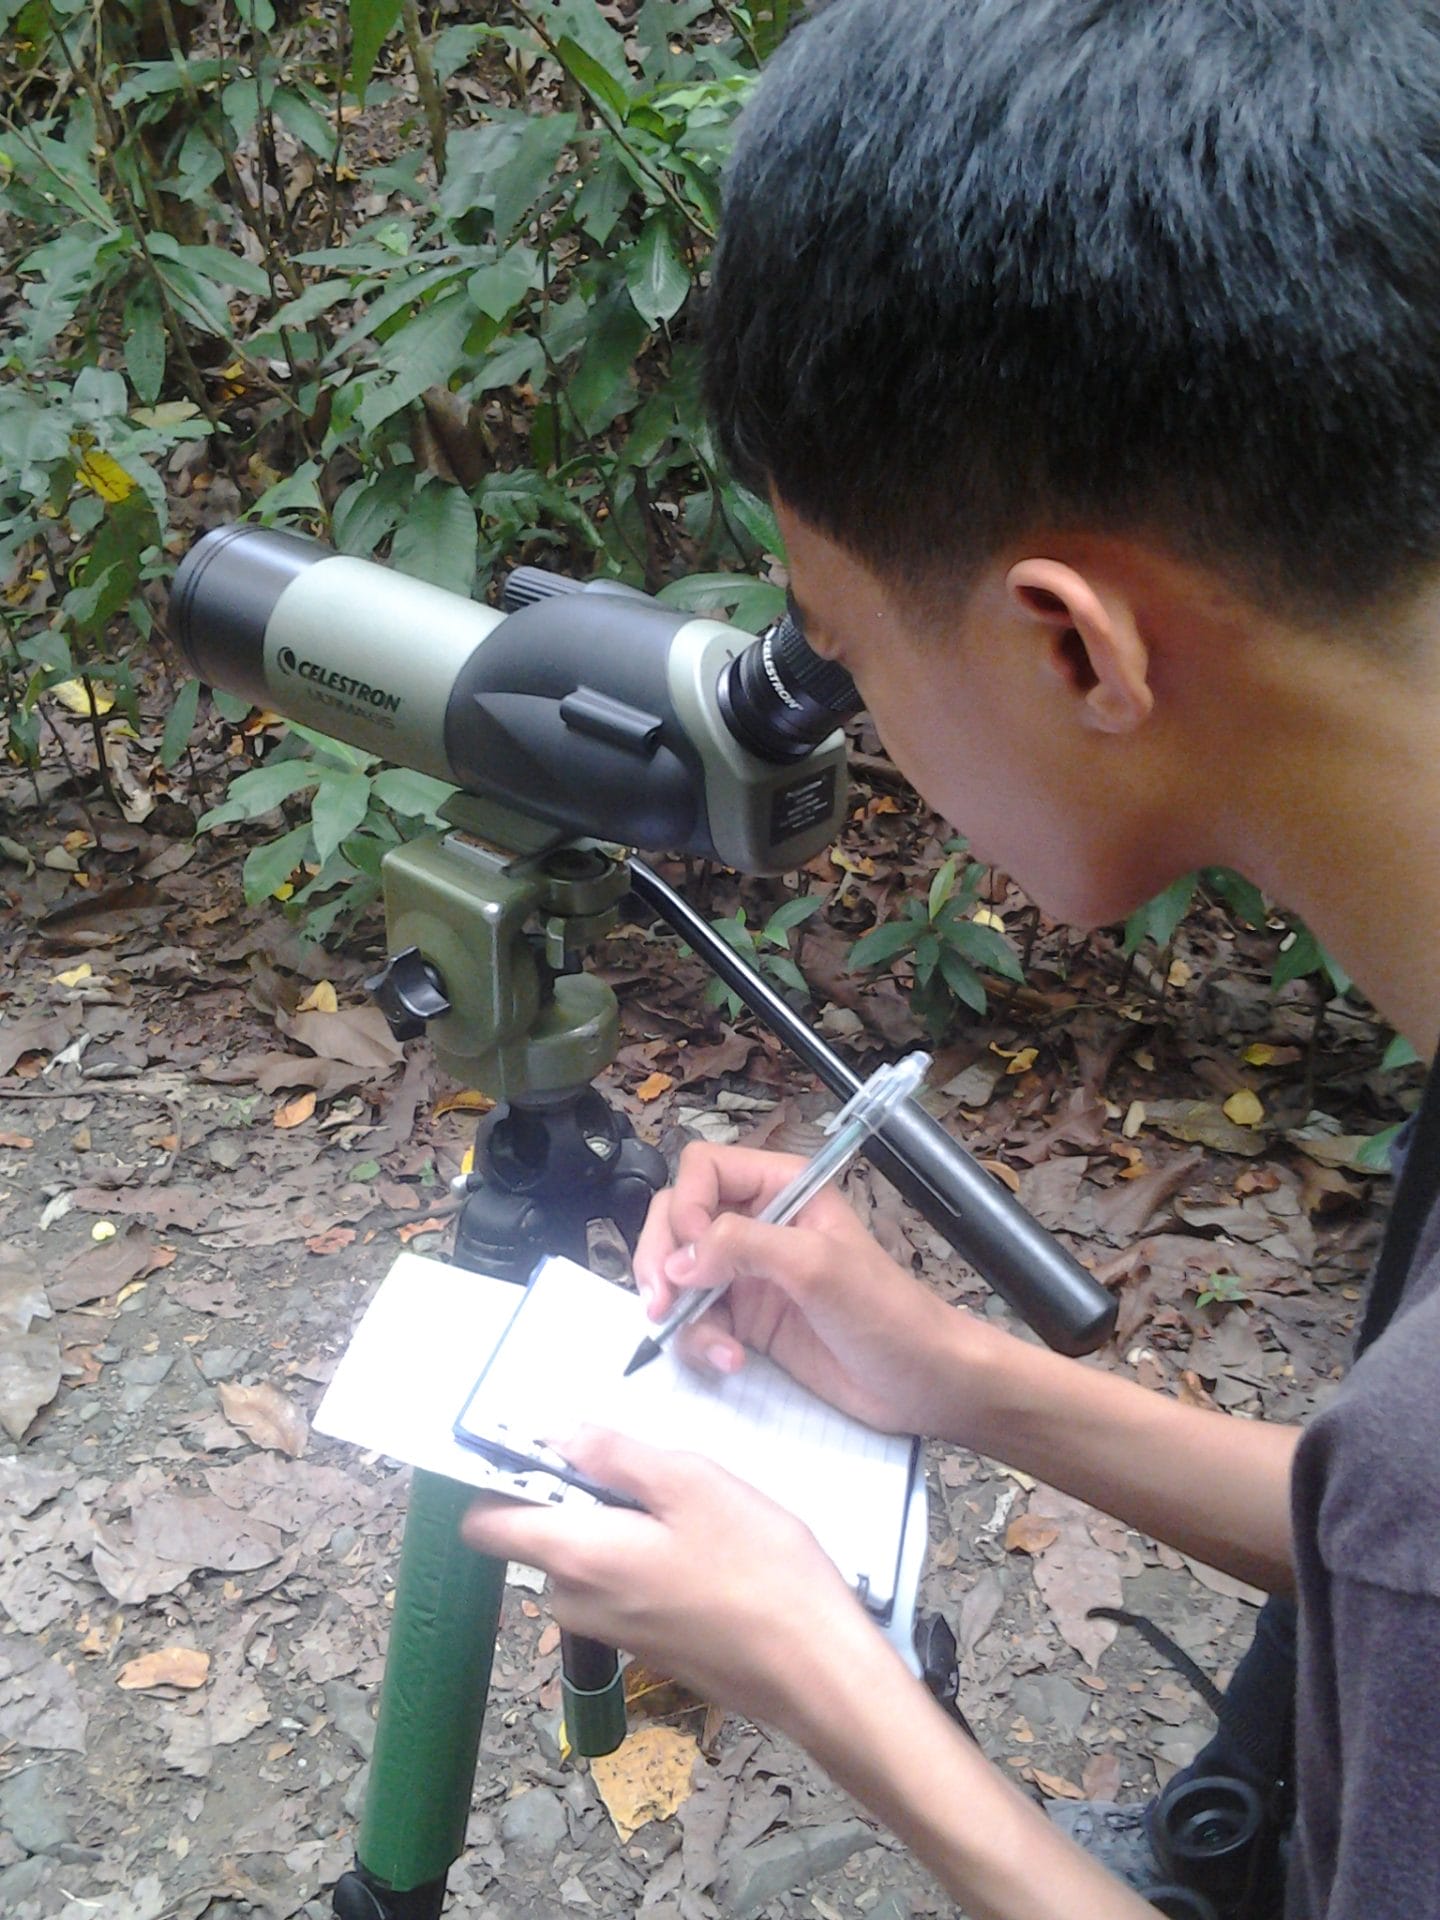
(562,1364)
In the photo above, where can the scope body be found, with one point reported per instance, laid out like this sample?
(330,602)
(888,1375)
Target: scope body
(598,710)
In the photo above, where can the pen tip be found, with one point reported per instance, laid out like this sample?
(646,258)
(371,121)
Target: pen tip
(642,1356)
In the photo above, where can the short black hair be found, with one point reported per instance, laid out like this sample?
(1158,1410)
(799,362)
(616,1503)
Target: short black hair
(1170,265)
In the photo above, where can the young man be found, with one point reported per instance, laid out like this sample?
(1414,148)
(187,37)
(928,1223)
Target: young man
(1091,354)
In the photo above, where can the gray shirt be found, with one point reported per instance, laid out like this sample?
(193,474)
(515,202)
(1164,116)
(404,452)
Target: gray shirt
(1366,1506)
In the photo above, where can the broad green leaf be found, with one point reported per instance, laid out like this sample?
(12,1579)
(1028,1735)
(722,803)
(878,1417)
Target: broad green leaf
(437,538)
(1300,959)
(341,802)
(604,90)
(415,795)
(792,913)
(603,198)
(260,791)
(300,117)
(1374,1156)
(603,381)
(425,353)
(656,275)
(369,509)
(144,334)
(942,885)
(498,289)
(314,301)
(517,184)
(1158,918)
(962,980)
(784,969)
(1244,900)
(371,23)
(1399,1053)
(268,867)
(985,947)
(882,943)
(179,723)
(756,516)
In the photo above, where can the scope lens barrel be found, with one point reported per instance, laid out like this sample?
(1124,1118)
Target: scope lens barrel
(781,699)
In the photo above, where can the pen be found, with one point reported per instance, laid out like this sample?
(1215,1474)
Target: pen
(865,1113)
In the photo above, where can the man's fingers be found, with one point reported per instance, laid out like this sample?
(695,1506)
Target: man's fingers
(647,1474)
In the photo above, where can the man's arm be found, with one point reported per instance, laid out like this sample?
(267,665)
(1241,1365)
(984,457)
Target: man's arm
(832,1309)
(1215,1486)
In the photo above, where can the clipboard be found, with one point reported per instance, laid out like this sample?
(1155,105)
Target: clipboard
(560,1363)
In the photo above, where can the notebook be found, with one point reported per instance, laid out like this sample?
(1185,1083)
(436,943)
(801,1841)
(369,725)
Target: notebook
(560,1363)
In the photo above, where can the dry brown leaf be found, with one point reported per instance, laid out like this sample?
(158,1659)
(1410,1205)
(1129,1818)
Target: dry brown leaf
(413,1228)
(647,1778)
(333,1240)
(1027,1533)
(20,1141)
(1102,1776)
(1007,1176)
(264,1415)
(166,1667)
(1054,1787)
(295,1112)
(653,1085)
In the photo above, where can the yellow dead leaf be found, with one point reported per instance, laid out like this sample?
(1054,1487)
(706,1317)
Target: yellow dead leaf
(1258,1054)
(166,1667)
(103,1230)
(987,917)
(75,697)
(77,841)
(886,803)
(283,892)
(74,975)
(1134,1119)
(653,1085)
(320,999)
(863,866)
(263,1414)
(1023,1060)
(467,1160)
(296,1112)
(1179,974)
(1244,1109)
(135,1286)
(647,1778)
(104,475)
(467,1100)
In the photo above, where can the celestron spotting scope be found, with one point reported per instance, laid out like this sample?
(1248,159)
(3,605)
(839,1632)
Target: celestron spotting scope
(592,708)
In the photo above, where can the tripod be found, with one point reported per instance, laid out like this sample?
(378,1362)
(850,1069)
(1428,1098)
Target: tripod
(487,927)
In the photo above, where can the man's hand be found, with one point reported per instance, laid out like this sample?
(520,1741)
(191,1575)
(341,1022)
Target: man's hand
(818,1295)
(713,1583)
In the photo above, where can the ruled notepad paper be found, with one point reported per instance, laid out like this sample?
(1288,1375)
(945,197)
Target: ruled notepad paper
(561,1363)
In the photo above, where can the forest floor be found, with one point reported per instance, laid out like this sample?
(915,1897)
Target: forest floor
(211,1151)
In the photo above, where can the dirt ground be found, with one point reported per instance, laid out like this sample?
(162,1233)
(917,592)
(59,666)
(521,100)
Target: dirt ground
(207,1164)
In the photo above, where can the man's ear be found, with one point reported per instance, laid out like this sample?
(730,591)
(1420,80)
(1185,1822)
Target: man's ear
(1095,643)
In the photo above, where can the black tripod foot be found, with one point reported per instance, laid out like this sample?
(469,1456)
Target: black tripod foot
(358,1896)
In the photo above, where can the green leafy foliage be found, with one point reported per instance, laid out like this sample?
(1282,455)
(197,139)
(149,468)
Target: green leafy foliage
(477,351)
(945,945)
(767,948)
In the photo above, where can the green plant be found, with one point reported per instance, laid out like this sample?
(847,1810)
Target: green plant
(1222,1289)
(946,945)
(328,862)
(766,948)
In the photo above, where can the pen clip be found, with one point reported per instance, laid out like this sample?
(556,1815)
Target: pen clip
(870,1104)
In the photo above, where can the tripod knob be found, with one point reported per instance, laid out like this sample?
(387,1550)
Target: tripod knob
(408,991)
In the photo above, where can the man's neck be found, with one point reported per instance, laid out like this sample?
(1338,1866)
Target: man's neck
(1331,804)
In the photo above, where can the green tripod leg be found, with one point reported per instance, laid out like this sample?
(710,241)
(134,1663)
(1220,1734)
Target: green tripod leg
(432,1709)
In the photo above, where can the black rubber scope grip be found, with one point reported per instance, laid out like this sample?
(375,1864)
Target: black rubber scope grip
(982,1220)
(525,585)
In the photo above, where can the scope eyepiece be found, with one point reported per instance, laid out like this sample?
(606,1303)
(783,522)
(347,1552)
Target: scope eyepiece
(780,698)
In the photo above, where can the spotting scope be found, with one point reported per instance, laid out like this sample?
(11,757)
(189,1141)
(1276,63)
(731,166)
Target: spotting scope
(594,709)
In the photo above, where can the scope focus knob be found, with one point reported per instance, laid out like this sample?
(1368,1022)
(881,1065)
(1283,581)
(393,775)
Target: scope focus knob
(409,992)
